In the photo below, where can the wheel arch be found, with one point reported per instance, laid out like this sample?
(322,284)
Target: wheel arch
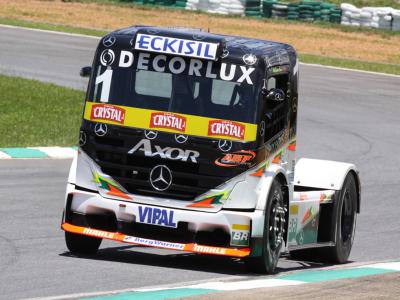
(273,172)
(325,174)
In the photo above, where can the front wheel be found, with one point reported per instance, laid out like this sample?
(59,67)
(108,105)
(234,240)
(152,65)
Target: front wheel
(274,232)
(81,244)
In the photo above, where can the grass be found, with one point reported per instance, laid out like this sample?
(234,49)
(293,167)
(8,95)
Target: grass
(350,64)
(38,114)
(358,3)
(53,27)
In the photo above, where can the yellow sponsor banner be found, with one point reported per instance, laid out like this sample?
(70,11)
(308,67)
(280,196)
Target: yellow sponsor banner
(240,227)
(170,122)
(294,209)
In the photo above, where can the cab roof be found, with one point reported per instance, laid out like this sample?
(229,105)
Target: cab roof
(273,53)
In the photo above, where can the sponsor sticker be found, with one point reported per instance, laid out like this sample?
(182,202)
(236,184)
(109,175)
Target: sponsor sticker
(240,238)
(175,46)
(240,235)
(239,158)
(146,148)
(153,243)
(168,121)
(156,216)
(107,112)
(98,233)
(209,249)
(223,128)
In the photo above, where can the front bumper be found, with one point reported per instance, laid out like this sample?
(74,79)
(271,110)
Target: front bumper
(226,233)
(191,247)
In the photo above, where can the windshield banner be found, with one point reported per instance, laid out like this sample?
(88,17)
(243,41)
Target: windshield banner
(170,122)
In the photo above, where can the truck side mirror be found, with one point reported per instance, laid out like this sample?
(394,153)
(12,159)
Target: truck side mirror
(85,71)
(275,95)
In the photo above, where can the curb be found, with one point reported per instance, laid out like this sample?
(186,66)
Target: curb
(290,279)
(297,278)
(38,152)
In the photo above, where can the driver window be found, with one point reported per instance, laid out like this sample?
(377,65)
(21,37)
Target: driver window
(274,111)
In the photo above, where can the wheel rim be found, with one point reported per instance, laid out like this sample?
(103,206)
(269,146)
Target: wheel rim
(276,224)
(348,215)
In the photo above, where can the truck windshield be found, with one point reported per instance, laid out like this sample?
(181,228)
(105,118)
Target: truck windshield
(178,93)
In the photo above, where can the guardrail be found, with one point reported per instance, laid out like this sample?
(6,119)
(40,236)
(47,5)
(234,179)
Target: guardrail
(305,10)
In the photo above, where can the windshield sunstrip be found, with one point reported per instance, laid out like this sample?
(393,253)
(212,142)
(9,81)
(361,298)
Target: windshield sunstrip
(178,65)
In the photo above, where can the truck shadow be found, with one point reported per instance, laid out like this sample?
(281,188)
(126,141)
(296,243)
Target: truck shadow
(139,255)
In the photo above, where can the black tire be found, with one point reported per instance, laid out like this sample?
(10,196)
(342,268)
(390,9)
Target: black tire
(274,232)
(346,217)
(81,244)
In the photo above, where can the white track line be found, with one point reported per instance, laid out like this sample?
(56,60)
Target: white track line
(351,70)
(51,31)
(57,152)
(386,266)
(95,37)
(4,155)
(245,285)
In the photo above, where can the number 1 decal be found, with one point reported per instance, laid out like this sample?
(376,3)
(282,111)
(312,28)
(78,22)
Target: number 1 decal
(105,79)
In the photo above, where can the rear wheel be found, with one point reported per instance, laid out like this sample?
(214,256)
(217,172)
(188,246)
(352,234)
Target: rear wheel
(345,223)
(274,231)
(81,244)
(346,216)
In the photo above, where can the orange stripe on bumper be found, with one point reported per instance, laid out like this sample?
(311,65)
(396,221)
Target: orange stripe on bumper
(192,247)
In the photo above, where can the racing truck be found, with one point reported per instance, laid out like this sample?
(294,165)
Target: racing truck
(188,143)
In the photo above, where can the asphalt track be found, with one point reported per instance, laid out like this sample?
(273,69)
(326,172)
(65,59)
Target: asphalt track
(343,115)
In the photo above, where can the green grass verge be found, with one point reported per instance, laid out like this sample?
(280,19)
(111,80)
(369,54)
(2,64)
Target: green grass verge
(52,27)
(350,64)
(38,114)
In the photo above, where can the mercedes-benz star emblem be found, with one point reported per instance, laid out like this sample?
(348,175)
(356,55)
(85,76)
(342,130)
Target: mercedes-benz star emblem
(160,178)
(181,138)
(225,53)
(225,145)
(108,41)
(100,129)
(82,138)
(249,59)
(198,36)
(150,134)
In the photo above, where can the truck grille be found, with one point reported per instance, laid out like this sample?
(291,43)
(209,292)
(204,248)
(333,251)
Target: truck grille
(133,171)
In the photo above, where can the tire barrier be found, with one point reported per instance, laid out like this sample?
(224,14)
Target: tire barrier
(371,17)
(253,8)
(314,11)
(396,20)
(224,7)
(305,10)
(280,10)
